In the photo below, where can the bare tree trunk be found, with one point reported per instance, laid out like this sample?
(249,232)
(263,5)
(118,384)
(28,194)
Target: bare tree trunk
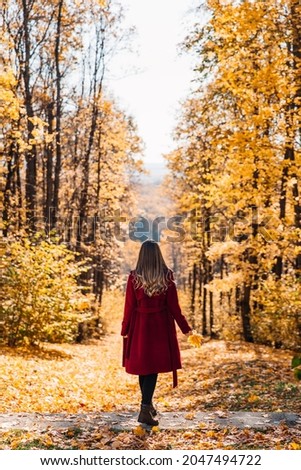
(48,214)
(200,288)
(96,94)
(221,277)
(297,104)
(58,148)
(245,314)
(278,268)
(204,312)
(8,190)
(31,155)
(193,295)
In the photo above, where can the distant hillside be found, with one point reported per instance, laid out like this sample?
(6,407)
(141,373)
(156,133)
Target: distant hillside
(157,171)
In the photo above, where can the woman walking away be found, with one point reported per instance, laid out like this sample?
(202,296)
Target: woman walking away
(150,344)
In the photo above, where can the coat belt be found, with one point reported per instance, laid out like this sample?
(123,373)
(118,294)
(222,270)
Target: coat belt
(174,370)
(150,309)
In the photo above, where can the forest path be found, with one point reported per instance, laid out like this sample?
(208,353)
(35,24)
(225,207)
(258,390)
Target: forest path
(127,421)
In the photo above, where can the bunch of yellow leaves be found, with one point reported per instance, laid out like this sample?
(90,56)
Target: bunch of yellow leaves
(195,339)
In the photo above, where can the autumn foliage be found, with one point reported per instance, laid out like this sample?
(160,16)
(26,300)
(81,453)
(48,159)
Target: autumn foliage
(69,173)
(40,296)
(70,155)
(236,171)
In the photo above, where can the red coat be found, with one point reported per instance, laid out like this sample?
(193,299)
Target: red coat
(149,322)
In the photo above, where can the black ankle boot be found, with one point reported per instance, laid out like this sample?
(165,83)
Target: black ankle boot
(153,409)
(146,417)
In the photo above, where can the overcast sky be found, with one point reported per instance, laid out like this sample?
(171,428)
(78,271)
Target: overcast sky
(150,84)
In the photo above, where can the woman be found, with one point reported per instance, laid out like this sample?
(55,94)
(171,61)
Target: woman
(151,308)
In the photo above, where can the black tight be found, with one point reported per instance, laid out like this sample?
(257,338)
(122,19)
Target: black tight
(147,385)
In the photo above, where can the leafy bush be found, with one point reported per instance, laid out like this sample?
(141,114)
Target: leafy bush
(41,300)
(296,366)
(278,320)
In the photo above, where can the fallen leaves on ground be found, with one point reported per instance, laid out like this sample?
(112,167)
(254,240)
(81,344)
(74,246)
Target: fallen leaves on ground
(278,437)
(219,376)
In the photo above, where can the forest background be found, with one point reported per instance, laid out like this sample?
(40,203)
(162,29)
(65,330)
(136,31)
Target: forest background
(76,201)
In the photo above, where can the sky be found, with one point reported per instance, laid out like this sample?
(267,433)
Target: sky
(150,82)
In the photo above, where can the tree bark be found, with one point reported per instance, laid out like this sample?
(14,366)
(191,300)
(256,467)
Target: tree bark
(245,313)
(58,148)
(31,155)
(48,212)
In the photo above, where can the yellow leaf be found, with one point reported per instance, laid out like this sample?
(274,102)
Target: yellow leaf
(139,431)
(48,442)
(202,425)
(295,446)
(195,339)
(190,415)
(252,398)
(155,429)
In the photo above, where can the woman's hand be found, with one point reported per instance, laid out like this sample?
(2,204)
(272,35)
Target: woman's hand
(189,333)
(125,336)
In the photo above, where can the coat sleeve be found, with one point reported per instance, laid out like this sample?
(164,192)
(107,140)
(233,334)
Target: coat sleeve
(175,309)
(129,305)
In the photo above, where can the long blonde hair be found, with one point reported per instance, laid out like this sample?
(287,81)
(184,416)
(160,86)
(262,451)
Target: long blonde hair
(151,271)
